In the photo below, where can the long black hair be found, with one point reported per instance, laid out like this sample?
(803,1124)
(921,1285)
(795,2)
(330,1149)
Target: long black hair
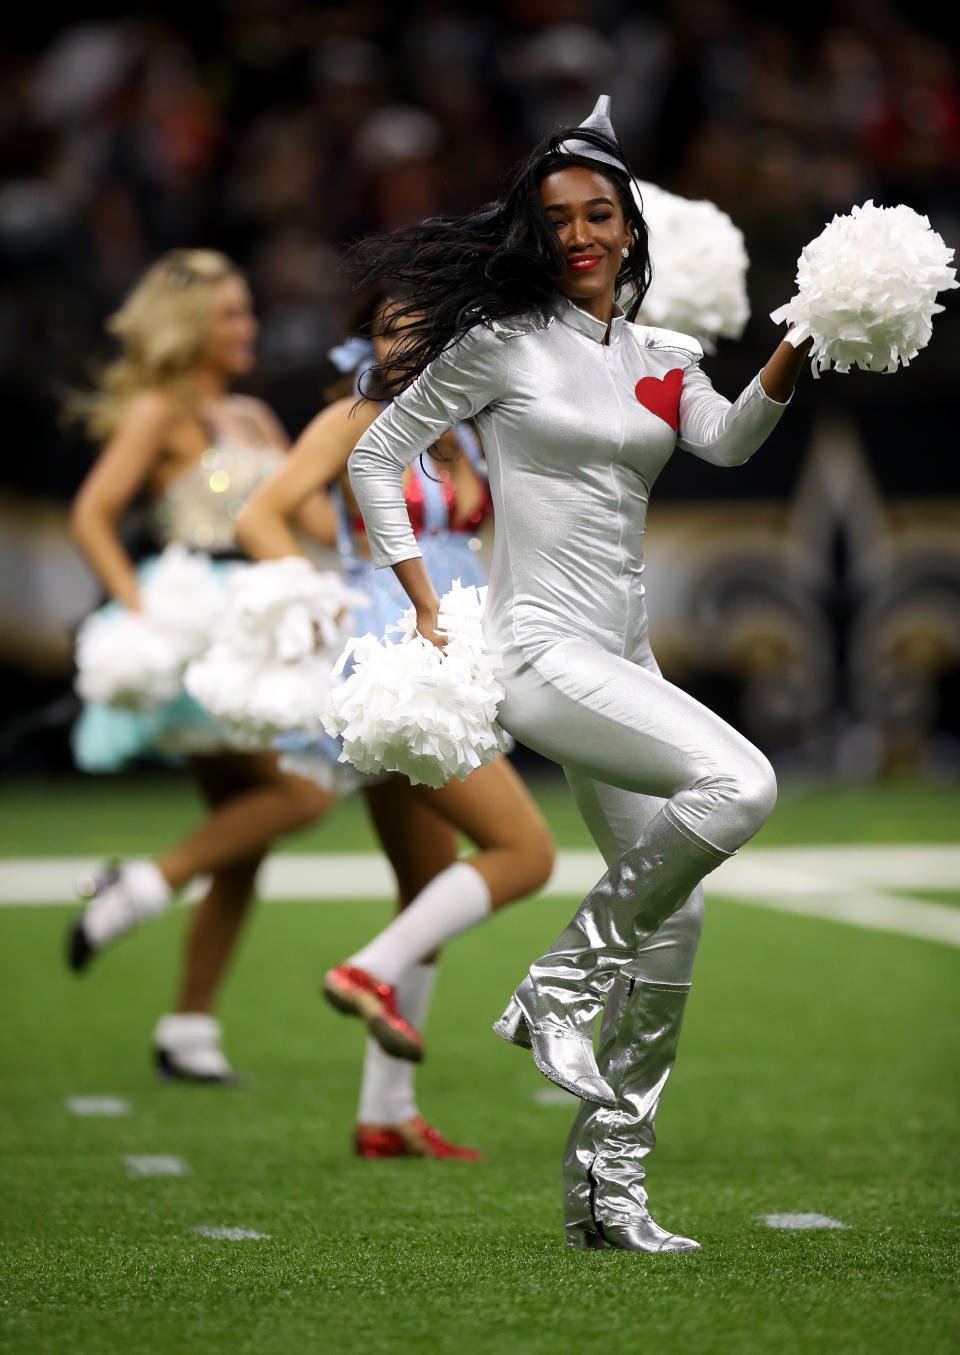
(499,262)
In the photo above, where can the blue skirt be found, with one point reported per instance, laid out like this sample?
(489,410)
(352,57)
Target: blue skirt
(448,556)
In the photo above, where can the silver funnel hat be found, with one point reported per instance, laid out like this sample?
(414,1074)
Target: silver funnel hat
(598,121)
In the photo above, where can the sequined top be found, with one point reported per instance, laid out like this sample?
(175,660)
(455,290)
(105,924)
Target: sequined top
(575,432)
(199,508)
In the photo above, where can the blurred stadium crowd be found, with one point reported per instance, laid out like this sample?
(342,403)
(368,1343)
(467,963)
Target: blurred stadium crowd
(278,130)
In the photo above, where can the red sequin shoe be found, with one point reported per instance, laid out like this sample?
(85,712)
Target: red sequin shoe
(358,993)
(416,1138)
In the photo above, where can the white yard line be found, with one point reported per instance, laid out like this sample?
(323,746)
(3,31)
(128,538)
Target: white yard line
(801,1221)
(839,883)
(154,1164)
(554,1096)
(872,909)
(230,1234)
(110,1106)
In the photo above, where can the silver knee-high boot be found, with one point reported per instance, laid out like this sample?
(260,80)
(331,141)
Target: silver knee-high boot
(604,1201)
(553,1010)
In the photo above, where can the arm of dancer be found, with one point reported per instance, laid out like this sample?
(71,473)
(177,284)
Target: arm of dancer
(728,433)
(471,491)
(779,376)
(316,516)
(469,485)
(120,471)
(467,377)
(264,527)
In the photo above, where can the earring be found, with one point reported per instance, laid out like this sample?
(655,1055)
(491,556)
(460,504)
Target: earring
(625,252)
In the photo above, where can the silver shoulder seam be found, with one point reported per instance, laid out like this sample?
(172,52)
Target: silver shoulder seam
(516,327)
(649,336)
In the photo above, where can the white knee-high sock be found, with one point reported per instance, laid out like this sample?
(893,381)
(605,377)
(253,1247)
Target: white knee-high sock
(386,1093)
(453,901)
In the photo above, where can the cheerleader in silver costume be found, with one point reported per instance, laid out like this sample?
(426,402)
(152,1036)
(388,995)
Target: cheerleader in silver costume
(578,410)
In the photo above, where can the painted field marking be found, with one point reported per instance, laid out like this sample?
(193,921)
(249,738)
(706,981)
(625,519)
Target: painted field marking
(851,884)
(800,1221)
(230,1234)
(154,1164)
(98,1105)
(553,1096)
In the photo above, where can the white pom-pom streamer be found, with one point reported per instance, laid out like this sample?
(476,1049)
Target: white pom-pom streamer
(699,267)
(867,289)
(409,707)
(183,597)
(124,660)
(136,660)
(270,666)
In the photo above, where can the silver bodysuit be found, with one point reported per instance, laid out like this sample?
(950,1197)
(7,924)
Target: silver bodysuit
(575,432)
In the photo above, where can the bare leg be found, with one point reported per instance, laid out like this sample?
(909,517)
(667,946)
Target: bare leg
(495,810)
(252,802)
(217,919)
(187,1041)
(230,785)
(213,932)
(418,843)
(266,803)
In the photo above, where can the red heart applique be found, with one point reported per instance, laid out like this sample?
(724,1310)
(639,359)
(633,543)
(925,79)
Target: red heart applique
(662,396)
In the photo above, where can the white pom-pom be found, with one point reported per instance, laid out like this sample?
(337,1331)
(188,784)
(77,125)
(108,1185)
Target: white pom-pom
(409,707)
(270,666)
(867,289)
(136,659)
(699,267)
(183,597)
(124,660)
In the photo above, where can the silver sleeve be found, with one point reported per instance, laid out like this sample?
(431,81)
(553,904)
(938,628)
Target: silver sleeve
(714,429)
(464,379)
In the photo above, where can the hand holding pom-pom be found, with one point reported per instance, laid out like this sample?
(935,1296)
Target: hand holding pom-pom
(867,289)
(413,708)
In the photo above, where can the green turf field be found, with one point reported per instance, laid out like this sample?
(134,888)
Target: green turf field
(818,1073)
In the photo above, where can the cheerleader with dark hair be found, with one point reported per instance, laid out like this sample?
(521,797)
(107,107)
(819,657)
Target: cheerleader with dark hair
(389,983)
(578,409)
